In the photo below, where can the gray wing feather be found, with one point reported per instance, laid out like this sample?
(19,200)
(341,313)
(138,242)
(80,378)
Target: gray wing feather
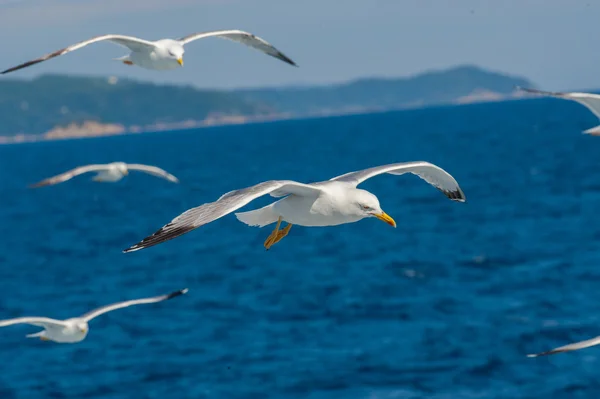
(233,200)
(35,321)
(571,347)
(239,36)
(68,175)
(432,174)
(119,305)
(153,170)
(589,100)
(132,43)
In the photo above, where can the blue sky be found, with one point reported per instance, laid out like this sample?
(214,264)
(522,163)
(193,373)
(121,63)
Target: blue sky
(552,42)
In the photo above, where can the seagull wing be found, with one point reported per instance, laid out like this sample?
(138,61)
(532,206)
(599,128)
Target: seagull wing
(432,174)
(153,170)
(68,175)
(109,308)
(36,321)
(233,200)
(571,347)
(132,43)
(589,100)
(241,37)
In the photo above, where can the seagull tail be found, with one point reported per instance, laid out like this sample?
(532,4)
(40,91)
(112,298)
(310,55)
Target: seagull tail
(35,335)
(259,217)
(595,131)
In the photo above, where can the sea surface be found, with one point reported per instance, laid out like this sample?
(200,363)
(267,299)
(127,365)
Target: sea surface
(446,306)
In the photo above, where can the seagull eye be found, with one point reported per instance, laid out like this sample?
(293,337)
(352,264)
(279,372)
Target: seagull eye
(171,54)
(365,207)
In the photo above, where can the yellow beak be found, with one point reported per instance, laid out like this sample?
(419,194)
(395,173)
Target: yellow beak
(180,61)
(384,217)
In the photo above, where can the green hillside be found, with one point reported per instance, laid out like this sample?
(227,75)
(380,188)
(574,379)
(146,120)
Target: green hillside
(36,106)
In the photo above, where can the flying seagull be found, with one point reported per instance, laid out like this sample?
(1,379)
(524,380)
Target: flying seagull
(329,203)
(164,54)
(76,329)
(568,348)
(589,100)
(110,172)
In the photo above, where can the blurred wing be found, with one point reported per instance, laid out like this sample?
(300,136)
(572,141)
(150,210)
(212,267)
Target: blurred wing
(241,37)
(153,170)
(104,309)
(69,175)
(570,347)
(588,100)
(233,200)
(36,321)
(132,43)
(432,174)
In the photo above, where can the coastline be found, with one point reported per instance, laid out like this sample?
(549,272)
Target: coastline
(92,129)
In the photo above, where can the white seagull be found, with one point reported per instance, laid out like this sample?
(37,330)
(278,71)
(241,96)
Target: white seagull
(164,54)
(110,172)
(589,100)
(76,329)
(329,203)
(568,348)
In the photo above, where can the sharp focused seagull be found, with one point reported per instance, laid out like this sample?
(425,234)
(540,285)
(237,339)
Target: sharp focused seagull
(329,203)
(568,348)
(76,329)
(164,54)
(588,100)
(110,172)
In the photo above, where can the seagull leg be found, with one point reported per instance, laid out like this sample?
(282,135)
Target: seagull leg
(281,233)
(273,235)
(44,338)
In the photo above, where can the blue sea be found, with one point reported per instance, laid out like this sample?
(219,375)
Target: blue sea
(445,306)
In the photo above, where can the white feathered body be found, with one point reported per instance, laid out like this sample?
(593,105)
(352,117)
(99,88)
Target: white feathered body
(157,59)
(326,209)
(68,334)
(109,176)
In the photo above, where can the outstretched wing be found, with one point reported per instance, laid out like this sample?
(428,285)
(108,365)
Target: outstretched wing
(241,37)
(432,174)
(132,43)
(68,175)
(589,100)
(571,347)
(35,321)
(153,170)
(233,200)
(104,309)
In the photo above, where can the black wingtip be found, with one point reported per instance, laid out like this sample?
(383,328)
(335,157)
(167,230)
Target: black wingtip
(166,233)
(286,59)
(456,195)
(176,293)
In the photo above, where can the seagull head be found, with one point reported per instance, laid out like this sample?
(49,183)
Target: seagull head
(122,168)
(82,327)
(367,205)
(175,52)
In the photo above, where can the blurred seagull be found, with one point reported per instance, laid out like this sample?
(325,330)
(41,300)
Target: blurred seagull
(329,203)
(164,54)
(76,329)
(588,100)
(110,172)
(568,348)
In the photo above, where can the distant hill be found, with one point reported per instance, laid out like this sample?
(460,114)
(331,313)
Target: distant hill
(43,104)
(435,87)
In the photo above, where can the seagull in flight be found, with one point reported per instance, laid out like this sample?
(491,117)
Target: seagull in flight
(589,100)
(164,54)
(110,172)
(76,329)
(328,203)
